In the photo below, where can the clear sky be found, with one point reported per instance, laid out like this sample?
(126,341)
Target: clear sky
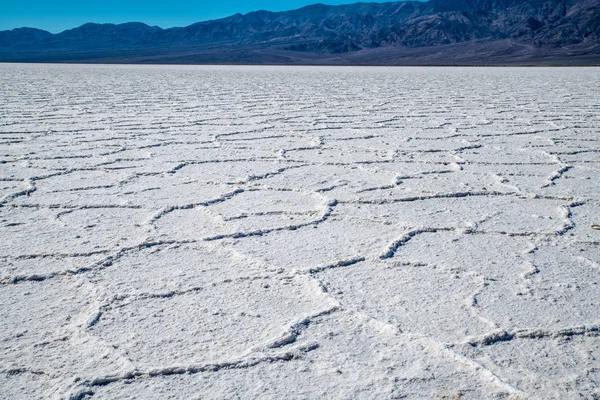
(58,15)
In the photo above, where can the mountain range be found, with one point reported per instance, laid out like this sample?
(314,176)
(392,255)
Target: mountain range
(436,32)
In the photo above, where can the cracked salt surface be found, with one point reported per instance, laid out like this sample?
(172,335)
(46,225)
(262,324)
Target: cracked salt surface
(179,232)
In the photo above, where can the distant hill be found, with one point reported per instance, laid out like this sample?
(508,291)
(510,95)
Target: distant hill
(437,32)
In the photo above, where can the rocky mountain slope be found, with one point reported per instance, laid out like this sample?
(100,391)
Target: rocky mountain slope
(407,32)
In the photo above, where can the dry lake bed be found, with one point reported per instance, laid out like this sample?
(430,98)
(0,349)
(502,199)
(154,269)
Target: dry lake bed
(171,232)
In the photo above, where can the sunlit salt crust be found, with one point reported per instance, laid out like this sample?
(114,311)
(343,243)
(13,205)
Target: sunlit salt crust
(272,232)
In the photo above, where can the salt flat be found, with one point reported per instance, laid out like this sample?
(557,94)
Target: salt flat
(271,232)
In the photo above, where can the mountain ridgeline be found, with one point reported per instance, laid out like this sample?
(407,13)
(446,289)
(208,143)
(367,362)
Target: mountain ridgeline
(437,32)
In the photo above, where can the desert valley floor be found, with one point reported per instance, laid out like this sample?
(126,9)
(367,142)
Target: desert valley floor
(190,232)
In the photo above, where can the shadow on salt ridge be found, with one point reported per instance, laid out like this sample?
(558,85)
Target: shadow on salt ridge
(215,324)
(230,172)
(58,151)
(559,287)
(521,285)
(337,155)
(496,257)
(78,188)
(582,158)
(522,178)
(317,246)
(139,165)
(253,212)
(14,269)
(295,206)
(354,359)
(7,188)
(406,143)
(201,152)
(508,154)
(168,190)
(266,141)
(563,367)
(22,170)
(584,216)
(415,299)
(81,231)
(433,184)
(165,270)
(45,340)
(580,181)
(335,181)
(52,164)
(506,214)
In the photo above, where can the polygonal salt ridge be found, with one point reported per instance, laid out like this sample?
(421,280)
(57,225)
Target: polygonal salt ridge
(336,242)
(578,181)
(372,287)
(202,223)
(25,188)
(138,165)
(350,358)
(46,266)
(412,142)
(284,141)
(80,231)
(550,363)
(60,302)
(475,212)
(340,156)
(407,166)
(506,135)
(512,172)
(80,180)
(50,339)
(8,188)
(331,179)
(166,190)
(497,108)
(44,153)
(581,157)
(439,182)
(74,188)
(555,287)
(171,269)
(510,154)
(233,171)
(204,153)
(264,201)
(453,251)
(190,320)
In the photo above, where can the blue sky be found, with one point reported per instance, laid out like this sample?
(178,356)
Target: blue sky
(58,15)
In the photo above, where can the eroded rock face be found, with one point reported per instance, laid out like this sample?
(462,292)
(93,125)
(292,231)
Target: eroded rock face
(381,233)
